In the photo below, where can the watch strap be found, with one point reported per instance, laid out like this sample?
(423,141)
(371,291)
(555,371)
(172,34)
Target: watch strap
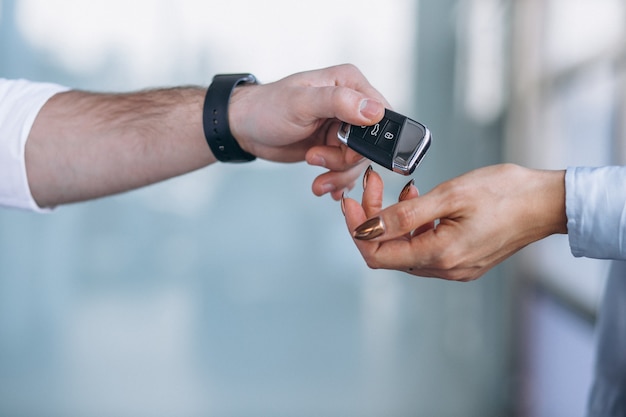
(215,118)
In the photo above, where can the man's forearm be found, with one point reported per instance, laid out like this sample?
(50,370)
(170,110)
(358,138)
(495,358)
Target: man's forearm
(85,145)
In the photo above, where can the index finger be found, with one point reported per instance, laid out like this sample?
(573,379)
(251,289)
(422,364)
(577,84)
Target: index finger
(401,218)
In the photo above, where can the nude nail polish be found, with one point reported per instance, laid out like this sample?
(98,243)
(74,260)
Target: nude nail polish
(366,175)
(343,203)
(406,190)
(370,229)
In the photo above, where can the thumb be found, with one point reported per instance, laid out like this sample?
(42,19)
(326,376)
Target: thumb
(345,104)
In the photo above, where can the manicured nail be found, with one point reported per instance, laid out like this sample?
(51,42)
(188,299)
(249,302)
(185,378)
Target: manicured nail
(406,190)
(370,108)
(343,203)
(370,229)
(366,175)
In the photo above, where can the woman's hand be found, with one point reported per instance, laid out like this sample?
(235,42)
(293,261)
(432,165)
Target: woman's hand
(463,227)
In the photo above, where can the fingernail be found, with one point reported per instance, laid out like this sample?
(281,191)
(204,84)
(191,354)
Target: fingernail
(343,203)
(406,190)
(318,161)
(370,108)
(366,175)
(370,229)
(328,188)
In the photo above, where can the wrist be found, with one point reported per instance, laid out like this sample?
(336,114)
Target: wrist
(239,116)
(552,207)
(560,220)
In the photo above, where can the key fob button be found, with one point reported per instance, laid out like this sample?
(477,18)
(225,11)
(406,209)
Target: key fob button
(373,132)
(358,131)
(388,137)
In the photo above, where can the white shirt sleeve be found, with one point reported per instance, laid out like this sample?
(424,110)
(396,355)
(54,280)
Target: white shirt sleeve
(596,211)
(20,102)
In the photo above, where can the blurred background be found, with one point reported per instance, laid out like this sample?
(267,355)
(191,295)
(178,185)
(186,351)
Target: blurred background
(234,291)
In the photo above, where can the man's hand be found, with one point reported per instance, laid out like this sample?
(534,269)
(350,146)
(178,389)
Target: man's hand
(297,119)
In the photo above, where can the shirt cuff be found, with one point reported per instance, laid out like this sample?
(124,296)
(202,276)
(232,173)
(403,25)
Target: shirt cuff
(20,102)
(595,203)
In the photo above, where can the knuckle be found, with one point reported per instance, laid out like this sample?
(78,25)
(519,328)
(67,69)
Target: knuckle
(454,266)
(456,194)
(350,68)
(446,263)
(447,260)
(343,98)
(405,217)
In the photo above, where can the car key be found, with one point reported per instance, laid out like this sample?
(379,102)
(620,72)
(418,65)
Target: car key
(396,142)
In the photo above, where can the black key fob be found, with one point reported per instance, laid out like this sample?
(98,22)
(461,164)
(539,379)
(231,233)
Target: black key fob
(396,142)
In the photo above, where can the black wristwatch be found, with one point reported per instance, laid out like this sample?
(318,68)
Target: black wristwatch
(215,118)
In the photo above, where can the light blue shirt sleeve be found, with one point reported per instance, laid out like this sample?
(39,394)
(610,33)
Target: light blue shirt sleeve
(595,201)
